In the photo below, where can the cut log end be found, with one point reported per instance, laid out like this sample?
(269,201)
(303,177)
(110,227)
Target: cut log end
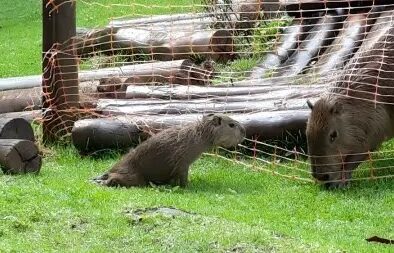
(19,157)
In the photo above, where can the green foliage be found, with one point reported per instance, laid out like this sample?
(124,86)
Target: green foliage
(266,34)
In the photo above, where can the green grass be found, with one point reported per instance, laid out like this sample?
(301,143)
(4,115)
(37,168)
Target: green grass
(21,26)
(232,206)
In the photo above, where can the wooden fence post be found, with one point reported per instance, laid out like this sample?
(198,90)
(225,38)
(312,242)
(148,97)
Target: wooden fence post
(60,70)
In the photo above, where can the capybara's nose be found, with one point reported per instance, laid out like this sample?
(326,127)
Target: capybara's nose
(320,176)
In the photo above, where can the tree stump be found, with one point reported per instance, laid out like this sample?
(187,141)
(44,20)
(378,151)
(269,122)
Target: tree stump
(19,157)
(16,128)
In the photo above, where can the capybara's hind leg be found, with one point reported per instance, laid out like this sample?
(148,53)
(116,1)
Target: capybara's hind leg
(125,180)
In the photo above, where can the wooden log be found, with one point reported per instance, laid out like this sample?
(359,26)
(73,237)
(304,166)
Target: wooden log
(215,44)
(344,45)
(174,72)
(59,69)
(161,19)
(288,43)
(123,132)
(310,7)
(29,116)
(20,100)
(319,36)
(191,92)
(90,135)
(15,128)
(19,156)
(159,44)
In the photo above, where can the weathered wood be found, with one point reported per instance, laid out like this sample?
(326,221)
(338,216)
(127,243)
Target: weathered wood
(20,100)
(15,128)
(344,45)
(313,45)
(161,19)
(19,156)
(124,132)
(29,116)
(173,72)
(60,68)
(309,7)
(190,92)
(91,135)
(159,44)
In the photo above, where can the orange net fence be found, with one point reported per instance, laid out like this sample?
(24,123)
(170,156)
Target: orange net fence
(133,68)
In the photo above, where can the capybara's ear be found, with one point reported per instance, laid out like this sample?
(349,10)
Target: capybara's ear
(309,103)
(217,120)
(336,108)
(208,115)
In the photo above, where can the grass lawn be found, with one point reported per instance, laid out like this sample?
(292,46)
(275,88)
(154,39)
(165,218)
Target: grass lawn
(21,26)
(230,208)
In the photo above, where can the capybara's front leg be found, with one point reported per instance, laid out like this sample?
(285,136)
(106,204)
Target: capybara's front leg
(183,177)
(125,180)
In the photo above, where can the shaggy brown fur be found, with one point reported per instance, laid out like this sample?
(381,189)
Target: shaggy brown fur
(165,157)
(355,117)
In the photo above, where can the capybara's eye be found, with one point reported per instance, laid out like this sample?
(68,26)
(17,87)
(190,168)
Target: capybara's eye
(232,125)
(333,136)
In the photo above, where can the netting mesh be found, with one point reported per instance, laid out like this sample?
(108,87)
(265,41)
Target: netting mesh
(135,68)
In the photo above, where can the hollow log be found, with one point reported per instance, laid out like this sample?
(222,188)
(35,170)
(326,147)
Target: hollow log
(124,132)
(313,45)
(15,128)
(344,45)
(19,156)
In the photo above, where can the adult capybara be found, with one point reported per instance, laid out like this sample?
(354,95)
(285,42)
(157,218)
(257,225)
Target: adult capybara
(355,116)
(165,157)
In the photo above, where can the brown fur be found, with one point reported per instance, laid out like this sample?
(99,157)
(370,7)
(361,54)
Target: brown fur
(165,157)
(355,117)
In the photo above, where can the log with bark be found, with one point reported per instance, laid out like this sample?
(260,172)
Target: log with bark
(344,45)
(15,128)
(124,132)
(157,44)
(306,8)
(173,72)
(319,36)
(20,100)
(29,116)
(162,20)
(19,156)
(191,92)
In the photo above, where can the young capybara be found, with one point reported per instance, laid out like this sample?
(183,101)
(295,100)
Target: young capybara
(165,157)
(356,115)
